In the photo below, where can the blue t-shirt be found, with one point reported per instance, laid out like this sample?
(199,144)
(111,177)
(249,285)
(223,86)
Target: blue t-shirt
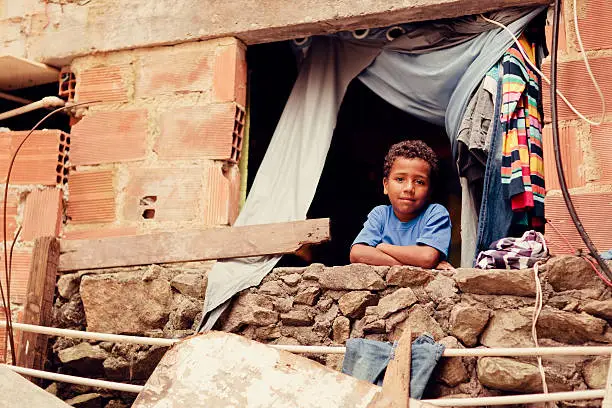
(431,227)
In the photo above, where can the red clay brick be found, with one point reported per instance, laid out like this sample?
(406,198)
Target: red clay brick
(173,194)
(36,162)
(43,214)
(571,154)
(230,75)
(105,84)
(174,69)
(105,137)
(234,192)
(217,196)
(11,214)
(197,132)
(593,210)
(575,84)
(594,23)
(103,232)
(91,197)
(19,276)
(601,145)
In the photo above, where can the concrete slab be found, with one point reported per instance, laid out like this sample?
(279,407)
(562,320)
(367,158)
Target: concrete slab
(17,392)
(64,31)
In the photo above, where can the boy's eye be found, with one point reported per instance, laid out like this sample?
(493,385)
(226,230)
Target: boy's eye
(420,182)
(399,179)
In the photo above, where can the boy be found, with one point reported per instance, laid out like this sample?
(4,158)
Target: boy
(410,231)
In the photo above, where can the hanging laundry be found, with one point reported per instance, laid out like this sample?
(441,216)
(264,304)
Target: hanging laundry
(514,253)
(368,359)
(522,169)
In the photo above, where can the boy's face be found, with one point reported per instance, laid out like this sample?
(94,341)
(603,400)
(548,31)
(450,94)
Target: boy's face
(408,187)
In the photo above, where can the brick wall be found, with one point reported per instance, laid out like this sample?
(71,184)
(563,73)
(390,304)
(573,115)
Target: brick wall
(586,155)
(160,150)
(35,203)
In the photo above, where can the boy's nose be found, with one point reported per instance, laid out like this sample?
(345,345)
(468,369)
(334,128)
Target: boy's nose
(409,187)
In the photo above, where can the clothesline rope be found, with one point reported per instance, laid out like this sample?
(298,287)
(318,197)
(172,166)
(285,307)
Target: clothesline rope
(474,352)
(586,62)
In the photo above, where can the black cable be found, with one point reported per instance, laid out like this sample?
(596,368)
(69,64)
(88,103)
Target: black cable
(558,159)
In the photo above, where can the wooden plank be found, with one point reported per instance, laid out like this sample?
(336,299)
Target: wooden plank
(16,73)
(32,349)
(199,245)
(396,384)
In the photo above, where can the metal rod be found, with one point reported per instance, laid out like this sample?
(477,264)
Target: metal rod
(75,380)
(14,98)
(475,352)
(517,399)
(46,102)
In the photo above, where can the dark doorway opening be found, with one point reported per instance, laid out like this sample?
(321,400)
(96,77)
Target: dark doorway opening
(26,121)
(351,182)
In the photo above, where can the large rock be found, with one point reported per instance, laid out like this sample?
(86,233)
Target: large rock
(567,327)
(408,276)
(341,329)
(595,373)
(190,284)
(90,400)
(510,375)
(68,284)
(496,282)
(467,322)
(250,309)
(353,304)
(398,300)
(84,358)
(599,308)
(308,296)
(351,277)
(420,321)
(297,318)
(183,317)
(138,365)
(124,303)
(571,272)
(442,289)
(509,328)
(452,371)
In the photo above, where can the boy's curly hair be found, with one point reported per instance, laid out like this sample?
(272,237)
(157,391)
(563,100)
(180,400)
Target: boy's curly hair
(411,149)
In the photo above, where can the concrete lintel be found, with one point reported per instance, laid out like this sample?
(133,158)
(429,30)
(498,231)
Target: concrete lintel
(60,33)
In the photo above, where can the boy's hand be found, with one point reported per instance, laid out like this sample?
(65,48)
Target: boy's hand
(445,266)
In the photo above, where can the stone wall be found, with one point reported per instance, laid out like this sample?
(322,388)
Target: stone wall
(320,305)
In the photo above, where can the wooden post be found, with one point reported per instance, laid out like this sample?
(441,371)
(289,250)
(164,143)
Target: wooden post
(396,384)
(32,348)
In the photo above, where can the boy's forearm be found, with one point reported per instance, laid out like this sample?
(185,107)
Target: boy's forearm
(415,255)
(366,254)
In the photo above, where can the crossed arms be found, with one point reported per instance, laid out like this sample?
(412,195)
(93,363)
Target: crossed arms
(387,254)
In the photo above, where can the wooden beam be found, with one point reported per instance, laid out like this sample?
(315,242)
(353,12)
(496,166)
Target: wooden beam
(396,384)
(32,348)
(184,246)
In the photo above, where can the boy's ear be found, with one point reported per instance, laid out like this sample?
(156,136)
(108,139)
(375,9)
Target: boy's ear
(385,182)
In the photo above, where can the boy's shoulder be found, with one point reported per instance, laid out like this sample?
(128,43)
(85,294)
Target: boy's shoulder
(380,210)
(435,209)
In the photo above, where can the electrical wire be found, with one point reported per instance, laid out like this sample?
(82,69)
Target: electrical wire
(558,159)
(7,272)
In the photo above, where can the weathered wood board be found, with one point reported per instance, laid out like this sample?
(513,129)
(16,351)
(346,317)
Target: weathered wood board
(196,245)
